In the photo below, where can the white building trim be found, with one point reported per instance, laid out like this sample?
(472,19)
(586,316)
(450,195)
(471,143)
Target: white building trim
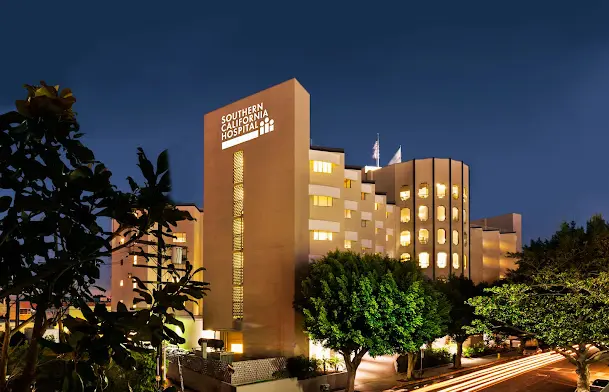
(324,225)
(323,190)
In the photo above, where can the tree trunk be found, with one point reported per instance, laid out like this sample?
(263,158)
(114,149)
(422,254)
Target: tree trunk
(583,373)
(458,355)
(24,381)
(410,366)
(5,344)
(352,364)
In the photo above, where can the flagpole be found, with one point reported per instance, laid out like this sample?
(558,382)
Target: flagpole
(378,156)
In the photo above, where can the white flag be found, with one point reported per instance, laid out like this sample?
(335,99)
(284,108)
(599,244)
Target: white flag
(375,150)
(397,158)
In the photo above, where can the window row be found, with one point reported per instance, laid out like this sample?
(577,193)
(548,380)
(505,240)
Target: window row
(423,191)
(423,214)
(423,237)
(441,261)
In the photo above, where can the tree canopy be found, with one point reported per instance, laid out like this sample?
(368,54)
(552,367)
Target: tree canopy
(458,290)
(356,304)
(559,294)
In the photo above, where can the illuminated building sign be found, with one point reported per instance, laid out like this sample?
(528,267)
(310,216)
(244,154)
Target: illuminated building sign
(245,124)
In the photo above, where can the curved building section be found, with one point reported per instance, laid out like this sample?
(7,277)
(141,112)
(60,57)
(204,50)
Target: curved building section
(433,197)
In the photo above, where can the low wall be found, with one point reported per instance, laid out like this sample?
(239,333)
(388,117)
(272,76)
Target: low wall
(202,383)
(196,381)
(247,372)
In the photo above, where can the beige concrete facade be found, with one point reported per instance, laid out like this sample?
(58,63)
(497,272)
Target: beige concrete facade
(432,196)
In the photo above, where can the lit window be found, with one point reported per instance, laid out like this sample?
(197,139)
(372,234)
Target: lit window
(423,236)
(441,236)
(464,238)
(363,195)
(441,213)
(322,167)
(122,240)
(348,214)
(423,213)
(134,285)
(455,237)
(423,190)
(121,283)
(320,235)
(364,223)
(455,260)
(134,259)
(377,230)
(464,194)
(387,237)
(322,201)
(347,183)
(442,260)
(376,206)
(455,192)
(366,250)
(134,306)
(347,244)
(236,348)
(405,238)
(423,259)
(405,257)
(464,261)
(405,193)
(441,190)
(464,216)
(387,214)
(179,237)
(455,214)
(405,215)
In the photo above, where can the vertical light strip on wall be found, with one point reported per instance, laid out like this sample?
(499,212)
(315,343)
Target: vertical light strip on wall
(238,235)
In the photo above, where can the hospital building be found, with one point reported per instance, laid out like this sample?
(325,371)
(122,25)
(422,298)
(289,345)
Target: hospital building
(273,202)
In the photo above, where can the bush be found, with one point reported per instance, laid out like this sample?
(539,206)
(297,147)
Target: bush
(300,367)
(434,357)
(140,379)
(481,350)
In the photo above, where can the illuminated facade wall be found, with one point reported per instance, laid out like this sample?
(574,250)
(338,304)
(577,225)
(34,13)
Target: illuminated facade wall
(345,212)
(432,195)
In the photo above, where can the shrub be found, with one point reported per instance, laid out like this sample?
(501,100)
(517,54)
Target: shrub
(435,357)
(300,367)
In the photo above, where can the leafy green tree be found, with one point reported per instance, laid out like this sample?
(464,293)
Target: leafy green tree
(559,294)
(458,290)
(435,314)
(352,304)
(564,310)
(571,248)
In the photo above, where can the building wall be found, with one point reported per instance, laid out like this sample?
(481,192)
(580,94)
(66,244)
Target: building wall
(275,222)
(430,232)
(506,223)
(359,219)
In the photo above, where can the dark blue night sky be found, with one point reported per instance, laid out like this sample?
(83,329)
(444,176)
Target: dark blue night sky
(517,89)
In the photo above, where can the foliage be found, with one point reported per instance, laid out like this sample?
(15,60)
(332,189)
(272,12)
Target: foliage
(571,249)
(54,192)
(563,309)
(353,305)
(300,367)
(142,378)
(434,357)
(458,290)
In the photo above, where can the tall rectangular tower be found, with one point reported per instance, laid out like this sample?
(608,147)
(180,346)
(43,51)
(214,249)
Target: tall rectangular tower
(256,177)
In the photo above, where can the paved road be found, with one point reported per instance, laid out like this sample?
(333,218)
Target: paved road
(548,372)
(557,377)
